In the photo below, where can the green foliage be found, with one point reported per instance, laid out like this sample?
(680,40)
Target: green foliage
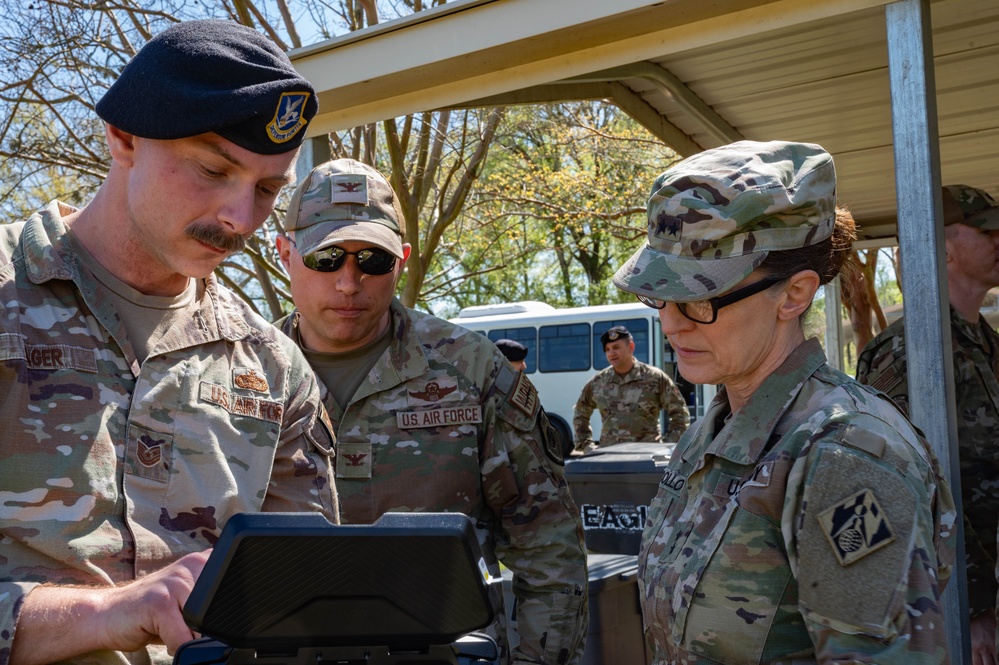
(536,202)
(560,206)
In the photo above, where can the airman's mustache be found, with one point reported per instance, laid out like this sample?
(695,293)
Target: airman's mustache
(213,235)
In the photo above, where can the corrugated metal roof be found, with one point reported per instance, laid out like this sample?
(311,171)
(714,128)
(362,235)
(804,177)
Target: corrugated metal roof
(766,69)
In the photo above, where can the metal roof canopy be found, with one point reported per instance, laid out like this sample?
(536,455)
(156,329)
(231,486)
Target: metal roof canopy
(851,75)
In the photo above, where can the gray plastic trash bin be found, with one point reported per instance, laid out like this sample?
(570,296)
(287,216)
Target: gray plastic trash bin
(614,635)
(613,487)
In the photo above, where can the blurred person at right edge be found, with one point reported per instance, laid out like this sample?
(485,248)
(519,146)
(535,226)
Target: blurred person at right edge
(803,519)
(971,242)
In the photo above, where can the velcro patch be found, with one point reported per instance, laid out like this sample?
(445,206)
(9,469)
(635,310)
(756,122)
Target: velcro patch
(353,459)
(729,485)
(242,405)
(856,527)
(525,396)
(886,380)
(438,390)
(248,379)
(439,417)
(148,453)
(48,356)
(349,188)
(866,440)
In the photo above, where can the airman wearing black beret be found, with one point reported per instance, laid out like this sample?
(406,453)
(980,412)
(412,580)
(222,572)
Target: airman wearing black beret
(212,76)
(614,334)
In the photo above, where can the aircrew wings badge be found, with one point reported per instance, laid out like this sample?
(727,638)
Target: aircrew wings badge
(856,527)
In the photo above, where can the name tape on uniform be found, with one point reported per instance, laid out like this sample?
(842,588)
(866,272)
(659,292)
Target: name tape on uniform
(48,356)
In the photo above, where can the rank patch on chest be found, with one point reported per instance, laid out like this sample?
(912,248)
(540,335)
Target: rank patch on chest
(248,379)
(856,527)
(149,451)
(241,405)
(439,417)
(354,459)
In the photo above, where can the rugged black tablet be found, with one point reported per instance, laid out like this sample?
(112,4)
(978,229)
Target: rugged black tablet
(277,582)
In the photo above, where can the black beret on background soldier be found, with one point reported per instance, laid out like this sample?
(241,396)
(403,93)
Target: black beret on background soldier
(803,518)
(143,402)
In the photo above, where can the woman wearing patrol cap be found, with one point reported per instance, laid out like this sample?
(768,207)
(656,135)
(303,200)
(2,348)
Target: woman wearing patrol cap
(803,519)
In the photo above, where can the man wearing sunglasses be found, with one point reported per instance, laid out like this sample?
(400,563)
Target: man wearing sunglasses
(429,416)
(630,395)
(141,402)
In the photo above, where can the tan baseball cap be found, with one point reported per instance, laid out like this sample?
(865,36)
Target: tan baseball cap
(344,200)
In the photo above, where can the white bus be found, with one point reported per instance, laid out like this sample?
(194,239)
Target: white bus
(564,350)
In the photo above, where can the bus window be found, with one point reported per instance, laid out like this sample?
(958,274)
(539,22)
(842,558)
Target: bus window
(639,329)
(564,348)
(526,336)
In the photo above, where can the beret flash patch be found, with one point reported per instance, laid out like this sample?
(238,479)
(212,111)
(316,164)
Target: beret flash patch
(289,117)
(856,527)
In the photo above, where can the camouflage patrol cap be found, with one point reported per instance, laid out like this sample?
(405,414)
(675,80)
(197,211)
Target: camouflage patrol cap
(344,200)
(714,217)
(968,205)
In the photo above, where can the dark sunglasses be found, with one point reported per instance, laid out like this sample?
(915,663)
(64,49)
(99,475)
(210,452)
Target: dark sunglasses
(369,261)
(706,311)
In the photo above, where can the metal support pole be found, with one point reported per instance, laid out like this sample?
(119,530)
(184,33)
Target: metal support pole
(834,325)
(314,151)
(927,305)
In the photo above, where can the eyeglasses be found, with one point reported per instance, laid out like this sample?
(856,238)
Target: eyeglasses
(369,261)
(706,311)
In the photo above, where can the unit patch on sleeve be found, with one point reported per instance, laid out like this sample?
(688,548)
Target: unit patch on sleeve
(856,527)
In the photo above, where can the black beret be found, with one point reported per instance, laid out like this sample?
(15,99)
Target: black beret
(212,76)
(614,334)
(513,351)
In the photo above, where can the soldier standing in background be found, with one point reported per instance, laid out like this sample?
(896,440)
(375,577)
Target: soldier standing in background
(430,416)
(971,242)
(143,403)
(630,395)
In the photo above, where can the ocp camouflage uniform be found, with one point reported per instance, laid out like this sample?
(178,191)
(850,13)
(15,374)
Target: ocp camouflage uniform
(813,525)
(443,423)
(882,365)
(109,469)
(629,407)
